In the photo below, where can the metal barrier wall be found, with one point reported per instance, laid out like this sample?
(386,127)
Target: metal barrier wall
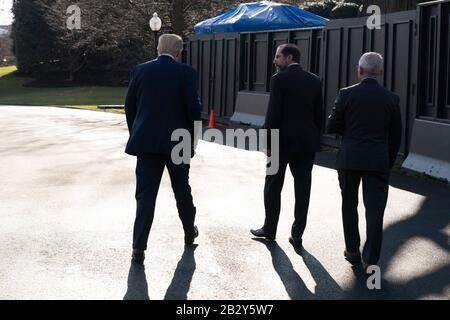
(430,140)
(232,63)
(258,50)
(434,66)
(216,58)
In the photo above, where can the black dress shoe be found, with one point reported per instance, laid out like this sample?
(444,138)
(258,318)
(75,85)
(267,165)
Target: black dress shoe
(189,239)
(138,256)
(260,233)
(296,242)
(352,257)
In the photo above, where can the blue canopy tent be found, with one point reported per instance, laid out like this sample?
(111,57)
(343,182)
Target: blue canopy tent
(259,16)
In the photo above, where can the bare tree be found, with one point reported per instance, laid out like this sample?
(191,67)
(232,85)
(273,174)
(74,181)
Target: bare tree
(180,16)
(392,6)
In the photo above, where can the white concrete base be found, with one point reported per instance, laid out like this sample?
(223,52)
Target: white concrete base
(430,149)
(251,108)
(430,166)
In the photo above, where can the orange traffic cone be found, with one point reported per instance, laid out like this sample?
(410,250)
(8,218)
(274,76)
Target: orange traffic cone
(212,121)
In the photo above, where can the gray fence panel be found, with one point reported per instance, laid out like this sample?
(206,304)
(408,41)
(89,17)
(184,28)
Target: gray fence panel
(217,76)
(400,77)
(205,72)
(430,143)
(434,62)
(215,57)
(227,63)
(332,66)
(259,60)
(230,76)
(258,50)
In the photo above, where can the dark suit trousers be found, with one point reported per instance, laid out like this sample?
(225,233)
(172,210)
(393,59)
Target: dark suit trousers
(149,170)
(375,195)
(301,166)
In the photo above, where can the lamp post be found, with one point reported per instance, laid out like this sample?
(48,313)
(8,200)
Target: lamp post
(155,25)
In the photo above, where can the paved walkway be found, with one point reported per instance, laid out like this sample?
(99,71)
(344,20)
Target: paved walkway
(67,209)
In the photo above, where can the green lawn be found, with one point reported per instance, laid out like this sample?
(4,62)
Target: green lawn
(13,92)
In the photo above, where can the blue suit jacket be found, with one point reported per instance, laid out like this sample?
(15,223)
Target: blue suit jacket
(162,97)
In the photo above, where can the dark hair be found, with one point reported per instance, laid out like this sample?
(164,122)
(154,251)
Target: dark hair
(291,49)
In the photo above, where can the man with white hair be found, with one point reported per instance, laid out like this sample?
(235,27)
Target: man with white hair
(162,97)
(367,116)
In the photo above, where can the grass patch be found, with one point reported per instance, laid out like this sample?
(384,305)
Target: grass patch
(12,92)
(7,70)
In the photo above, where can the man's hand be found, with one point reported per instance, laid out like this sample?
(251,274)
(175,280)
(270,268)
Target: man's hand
(268,152)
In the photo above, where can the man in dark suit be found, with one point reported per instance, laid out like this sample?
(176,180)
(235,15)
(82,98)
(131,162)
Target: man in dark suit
(295,109)
(367,116)
(162,97)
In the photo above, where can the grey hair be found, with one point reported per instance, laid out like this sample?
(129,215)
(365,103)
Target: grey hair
(372,63)
(170,43)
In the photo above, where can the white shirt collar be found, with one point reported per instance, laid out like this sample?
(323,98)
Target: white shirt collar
(293,64)
(167,54)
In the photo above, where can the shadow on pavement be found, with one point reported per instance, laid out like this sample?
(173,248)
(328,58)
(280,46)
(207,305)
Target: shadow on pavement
(137,283)
(295,287)
(179,287)
(428,223)
(326,286)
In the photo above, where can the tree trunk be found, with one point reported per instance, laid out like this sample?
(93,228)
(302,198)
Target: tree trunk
(177,17)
